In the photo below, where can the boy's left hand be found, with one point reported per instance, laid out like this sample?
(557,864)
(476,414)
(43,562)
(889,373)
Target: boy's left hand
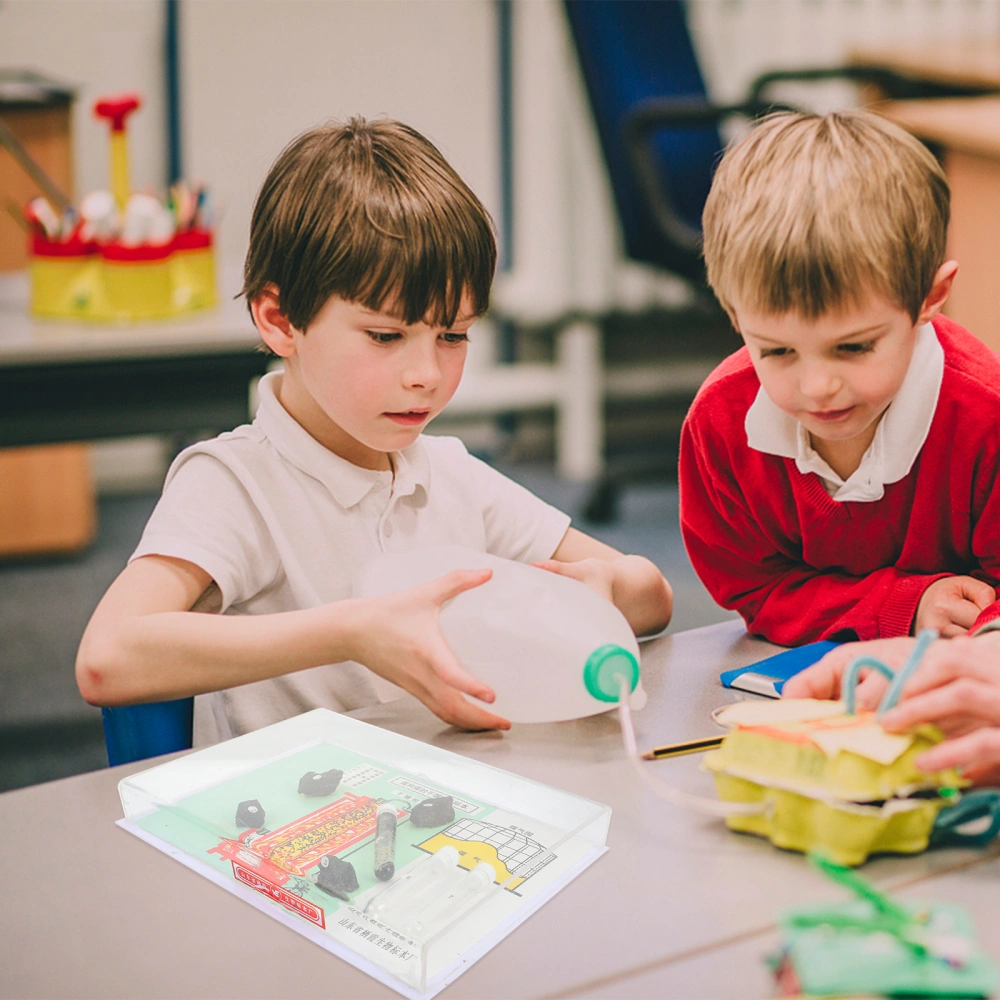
(598,574)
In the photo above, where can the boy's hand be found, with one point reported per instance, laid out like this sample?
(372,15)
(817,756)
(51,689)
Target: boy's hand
(598,574)
(952,604)
(823,679)
(398,637)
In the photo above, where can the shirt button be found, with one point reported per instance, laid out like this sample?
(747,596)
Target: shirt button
(387,530)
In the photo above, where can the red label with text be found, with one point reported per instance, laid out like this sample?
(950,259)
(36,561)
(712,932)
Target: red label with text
(287,899)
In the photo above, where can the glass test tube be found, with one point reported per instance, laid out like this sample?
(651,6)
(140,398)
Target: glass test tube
(439,864)
(385,842)
(459,894)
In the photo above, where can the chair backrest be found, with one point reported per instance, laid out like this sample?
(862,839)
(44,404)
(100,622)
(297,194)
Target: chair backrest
(136,732)
(629,54)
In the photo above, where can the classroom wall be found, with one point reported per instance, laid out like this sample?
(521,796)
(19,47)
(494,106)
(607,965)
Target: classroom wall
(258,72)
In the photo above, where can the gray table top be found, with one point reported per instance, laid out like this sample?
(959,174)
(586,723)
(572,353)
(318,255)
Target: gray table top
(676,902)
(25,339)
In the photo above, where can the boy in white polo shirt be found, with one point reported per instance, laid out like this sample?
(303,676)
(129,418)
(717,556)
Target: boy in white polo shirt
(369,261)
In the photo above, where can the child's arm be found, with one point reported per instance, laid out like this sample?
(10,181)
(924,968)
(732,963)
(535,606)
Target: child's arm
(144,644)
(633,584)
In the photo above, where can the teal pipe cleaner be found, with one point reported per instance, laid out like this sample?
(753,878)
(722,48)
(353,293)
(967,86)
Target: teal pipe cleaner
(896,680)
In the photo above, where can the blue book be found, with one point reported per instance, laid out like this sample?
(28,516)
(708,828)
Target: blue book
(768,676)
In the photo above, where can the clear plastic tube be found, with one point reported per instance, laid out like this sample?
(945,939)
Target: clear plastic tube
(402,893)
(710,807)
(461,892)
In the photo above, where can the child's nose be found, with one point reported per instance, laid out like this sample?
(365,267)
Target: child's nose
(819,383)
(422,370)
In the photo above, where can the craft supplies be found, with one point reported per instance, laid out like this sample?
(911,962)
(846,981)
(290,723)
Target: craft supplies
(876,946)
(123,255)
(825,776)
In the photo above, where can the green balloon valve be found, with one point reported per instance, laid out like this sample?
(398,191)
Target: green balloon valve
(603,668)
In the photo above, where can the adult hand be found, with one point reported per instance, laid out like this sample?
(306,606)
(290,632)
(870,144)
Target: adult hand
(957,687)
(952,604)
(399,638)
(823,679)
(598,574)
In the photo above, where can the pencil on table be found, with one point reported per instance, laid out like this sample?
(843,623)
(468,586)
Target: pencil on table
(686,746)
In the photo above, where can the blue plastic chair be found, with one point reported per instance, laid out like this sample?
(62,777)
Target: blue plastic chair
(135,732)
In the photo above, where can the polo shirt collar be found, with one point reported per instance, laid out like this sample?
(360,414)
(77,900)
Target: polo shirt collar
(348,484)
(900,434)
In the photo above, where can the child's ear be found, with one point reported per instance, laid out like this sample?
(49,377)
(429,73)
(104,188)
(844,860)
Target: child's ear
(272,324)
(940,290)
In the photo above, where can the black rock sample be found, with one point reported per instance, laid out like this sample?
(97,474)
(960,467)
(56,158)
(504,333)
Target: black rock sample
(325,783)
(436,811)
(250,814)
(336,877)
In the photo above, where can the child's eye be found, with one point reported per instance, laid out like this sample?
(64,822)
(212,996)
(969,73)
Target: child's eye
(382,337)
(862,348)
(455,338)
(774,352)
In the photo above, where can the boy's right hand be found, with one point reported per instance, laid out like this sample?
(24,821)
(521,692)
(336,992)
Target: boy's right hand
(952,604)
(399,638)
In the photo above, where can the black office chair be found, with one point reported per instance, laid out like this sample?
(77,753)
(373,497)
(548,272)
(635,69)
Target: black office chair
(660,139)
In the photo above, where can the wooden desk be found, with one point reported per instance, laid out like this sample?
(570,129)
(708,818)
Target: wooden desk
(967,129)
(678,907)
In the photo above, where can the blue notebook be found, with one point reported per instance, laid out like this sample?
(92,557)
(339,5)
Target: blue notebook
(768,676)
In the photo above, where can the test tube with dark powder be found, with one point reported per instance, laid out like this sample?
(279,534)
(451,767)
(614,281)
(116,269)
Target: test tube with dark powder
(385,842)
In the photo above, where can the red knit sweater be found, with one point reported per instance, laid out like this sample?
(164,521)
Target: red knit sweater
(769,542)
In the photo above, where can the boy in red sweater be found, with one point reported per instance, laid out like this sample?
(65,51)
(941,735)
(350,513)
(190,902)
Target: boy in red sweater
(837,473)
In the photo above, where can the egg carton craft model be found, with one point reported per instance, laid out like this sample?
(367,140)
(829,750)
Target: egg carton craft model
(831,778)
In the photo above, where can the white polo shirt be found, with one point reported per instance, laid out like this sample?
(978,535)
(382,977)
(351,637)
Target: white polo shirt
(280,524)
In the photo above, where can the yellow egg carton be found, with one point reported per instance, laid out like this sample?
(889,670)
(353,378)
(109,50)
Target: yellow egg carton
(827,779)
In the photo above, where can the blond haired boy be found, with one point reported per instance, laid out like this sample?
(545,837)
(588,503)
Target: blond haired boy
(369,262)
(838,473)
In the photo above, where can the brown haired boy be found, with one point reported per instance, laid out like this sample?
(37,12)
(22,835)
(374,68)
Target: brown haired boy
(838,472)
(369,262)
